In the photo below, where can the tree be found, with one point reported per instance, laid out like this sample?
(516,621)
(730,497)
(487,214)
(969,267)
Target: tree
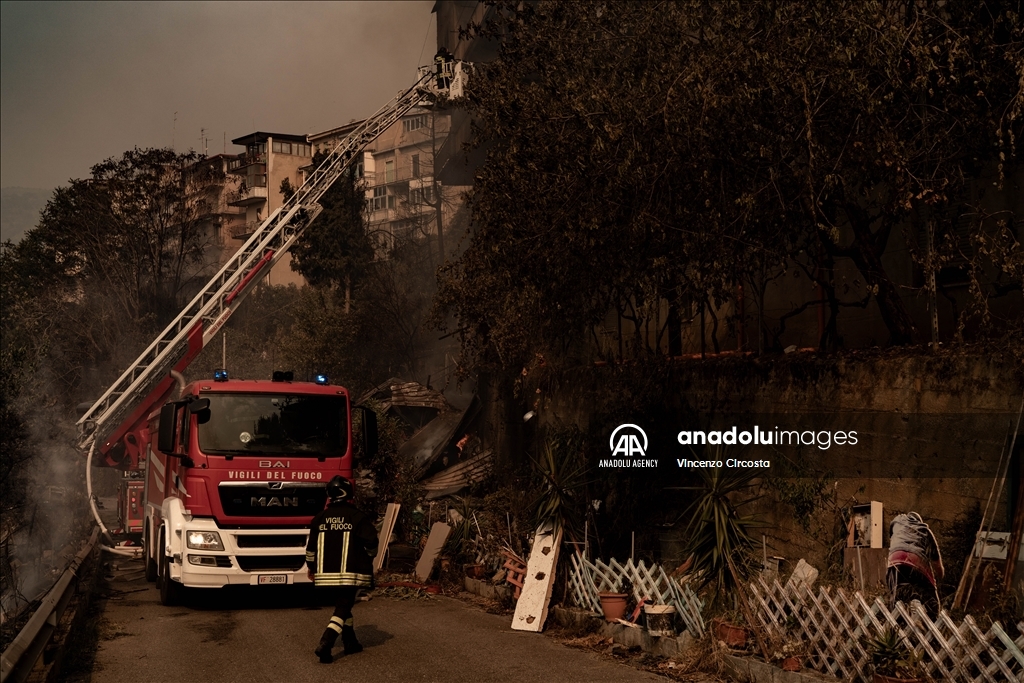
(362,318)
(335,249)
(647,152)
(112,259)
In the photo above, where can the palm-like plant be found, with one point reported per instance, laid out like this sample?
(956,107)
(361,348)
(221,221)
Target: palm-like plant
(718,537)
(891,657)
(563,481)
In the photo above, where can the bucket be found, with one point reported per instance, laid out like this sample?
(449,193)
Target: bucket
(661,620)
(613,605)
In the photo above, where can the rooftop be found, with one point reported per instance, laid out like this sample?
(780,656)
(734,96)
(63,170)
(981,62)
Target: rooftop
(260,136)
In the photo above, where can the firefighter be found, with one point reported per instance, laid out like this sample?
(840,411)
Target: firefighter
(443,62)
(915,563)
(342,543)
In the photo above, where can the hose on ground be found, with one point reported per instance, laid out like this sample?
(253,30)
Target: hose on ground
(96,513)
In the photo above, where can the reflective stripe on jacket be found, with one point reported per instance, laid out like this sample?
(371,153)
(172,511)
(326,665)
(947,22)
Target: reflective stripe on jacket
(341,543)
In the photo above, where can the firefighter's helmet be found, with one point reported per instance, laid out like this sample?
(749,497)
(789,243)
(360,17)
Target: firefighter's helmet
(339,489)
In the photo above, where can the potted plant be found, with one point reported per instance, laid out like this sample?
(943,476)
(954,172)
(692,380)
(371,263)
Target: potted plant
(892,660)
(787,646)
(793,663)
(613,604)
(791,655)
(719,542)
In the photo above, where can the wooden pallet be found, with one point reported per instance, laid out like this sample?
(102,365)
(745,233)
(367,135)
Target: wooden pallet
(516,572)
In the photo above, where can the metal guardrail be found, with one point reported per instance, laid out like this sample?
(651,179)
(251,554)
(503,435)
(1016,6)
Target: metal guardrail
(21,655)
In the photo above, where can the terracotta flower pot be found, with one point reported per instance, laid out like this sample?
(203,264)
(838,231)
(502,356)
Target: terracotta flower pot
(731,634)
(791,664)
(475,571)
(613,605)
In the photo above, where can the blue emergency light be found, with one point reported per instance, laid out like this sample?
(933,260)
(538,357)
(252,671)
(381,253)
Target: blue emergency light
(220,375)
(321,379)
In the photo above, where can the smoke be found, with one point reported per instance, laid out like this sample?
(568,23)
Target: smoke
(44,525)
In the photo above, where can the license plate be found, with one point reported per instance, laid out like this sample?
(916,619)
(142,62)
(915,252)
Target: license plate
(273,578)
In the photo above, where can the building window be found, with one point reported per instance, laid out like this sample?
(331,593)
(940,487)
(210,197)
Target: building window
(404,229)
(389,171)
(381,200)
(412,123)
(421,195)
(283,147)
(415,165)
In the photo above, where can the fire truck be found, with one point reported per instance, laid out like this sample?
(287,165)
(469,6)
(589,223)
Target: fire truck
(224,475)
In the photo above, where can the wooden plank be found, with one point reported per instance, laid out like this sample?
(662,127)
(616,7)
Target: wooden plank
(386,529)
(532,607)
(435,541)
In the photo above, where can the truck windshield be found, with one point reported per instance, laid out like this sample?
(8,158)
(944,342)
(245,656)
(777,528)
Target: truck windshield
(273,424)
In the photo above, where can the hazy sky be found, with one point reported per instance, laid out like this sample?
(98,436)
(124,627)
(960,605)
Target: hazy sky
(85,81)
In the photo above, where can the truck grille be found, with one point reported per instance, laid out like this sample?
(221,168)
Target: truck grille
(259,563)
(270,541)
(264,499)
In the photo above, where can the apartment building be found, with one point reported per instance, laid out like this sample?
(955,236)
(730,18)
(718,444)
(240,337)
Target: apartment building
(219,217)
(268,160)
(404,200)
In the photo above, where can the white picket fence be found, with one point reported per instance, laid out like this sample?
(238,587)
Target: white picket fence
(835,627)
(587,579)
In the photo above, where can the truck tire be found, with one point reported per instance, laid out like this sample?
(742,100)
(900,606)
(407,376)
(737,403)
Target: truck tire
(147,552)
(171,592)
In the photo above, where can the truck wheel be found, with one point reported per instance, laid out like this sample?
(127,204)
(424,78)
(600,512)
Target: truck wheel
(171,592)
(147,552)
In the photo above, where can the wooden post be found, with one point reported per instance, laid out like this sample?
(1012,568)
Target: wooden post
(860,571)
(1013,549)
(745,604)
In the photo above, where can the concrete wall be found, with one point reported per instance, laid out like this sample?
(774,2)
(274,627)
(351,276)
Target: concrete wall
(279,167)
(938,422)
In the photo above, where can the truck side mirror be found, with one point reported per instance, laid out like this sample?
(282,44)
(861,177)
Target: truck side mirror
(370,436)
(201,409)
(165,439)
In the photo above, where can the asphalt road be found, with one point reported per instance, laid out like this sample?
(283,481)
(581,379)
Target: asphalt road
(268,634)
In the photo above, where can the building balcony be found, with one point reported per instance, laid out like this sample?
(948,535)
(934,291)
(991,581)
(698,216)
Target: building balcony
(247,196)
(243,231)
(241,164)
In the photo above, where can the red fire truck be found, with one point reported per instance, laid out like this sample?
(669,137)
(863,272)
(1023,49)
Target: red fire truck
(234,470)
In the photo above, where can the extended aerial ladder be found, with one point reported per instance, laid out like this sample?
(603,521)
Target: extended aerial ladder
(149,379)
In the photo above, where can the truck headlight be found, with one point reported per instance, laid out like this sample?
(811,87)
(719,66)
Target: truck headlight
(204,540)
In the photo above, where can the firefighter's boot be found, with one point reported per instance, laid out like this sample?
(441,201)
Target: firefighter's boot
(323,650)
(348,639)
